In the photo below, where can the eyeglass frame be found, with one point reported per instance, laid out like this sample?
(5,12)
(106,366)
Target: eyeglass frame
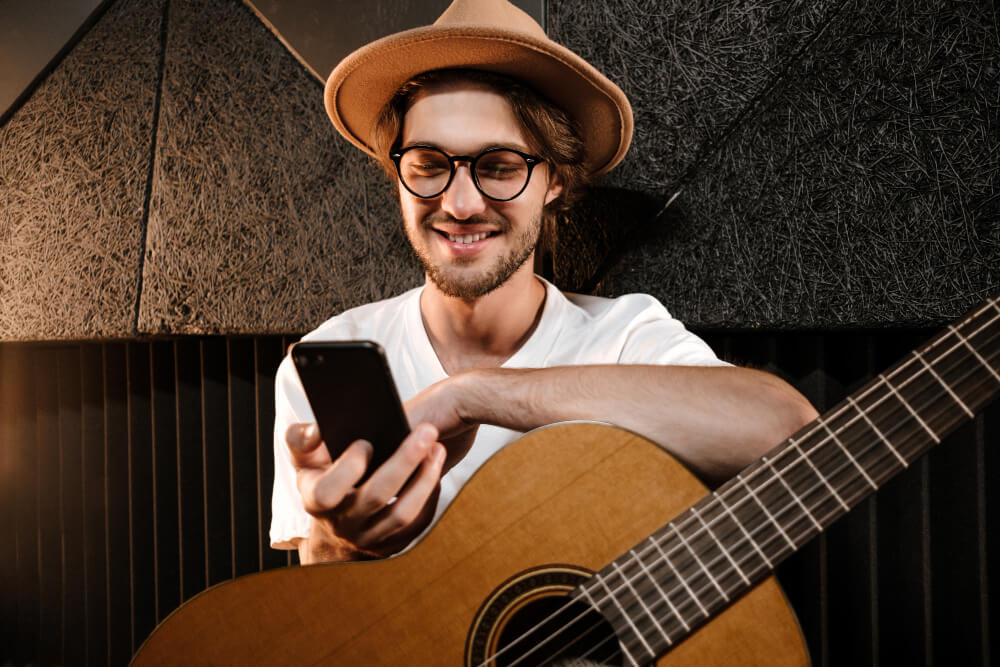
(530,160)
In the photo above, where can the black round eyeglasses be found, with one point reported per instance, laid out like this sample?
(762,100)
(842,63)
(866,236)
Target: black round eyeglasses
(501,174)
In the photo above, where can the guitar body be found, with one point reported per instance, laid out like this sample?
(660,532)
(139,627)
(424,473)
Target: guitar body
(575,494)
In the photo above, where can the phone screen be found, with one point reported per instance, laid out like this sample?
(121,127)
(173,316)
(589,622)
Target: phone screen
(352,395)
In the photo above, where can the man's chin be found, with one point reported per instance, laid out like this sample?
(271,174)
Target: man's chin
(464,286)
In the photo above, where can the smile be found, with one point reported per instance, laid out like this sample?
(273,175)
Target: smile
(466,238)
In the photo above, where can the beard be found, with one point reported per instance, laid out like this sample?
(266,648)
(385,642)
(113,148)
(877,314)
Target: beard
(455,282)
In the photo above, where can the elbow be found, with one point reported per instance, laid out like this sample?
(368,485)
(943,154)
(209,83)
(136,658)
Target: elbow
(791,412)
(798,412)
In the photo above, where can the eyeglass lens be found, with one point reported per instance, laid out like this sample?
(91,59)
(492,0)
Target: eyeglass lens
(499,174)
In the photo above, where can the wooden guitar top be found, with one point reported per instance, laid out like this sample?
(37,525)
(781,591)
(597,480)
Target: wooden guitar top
(579,494)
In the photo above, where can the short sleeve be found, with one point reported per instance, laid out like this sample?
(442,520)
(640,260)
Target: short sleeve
(289,520)
(655,337)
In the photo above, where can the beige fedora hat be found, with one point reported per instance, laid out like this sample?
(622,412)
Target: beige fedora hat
(489,35)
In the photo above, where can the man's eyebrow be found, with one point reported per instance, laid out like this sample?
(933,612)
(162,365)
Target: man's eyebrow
(517,146)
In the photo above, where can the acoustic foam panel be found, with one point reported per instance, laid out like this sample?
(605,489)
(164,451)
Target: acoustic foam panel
(74,168)
(836,164)
(832,165)
(262,218)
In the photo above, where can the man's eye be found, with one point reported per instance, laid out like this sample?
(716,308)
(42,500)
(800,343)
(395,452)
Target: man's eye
(426,168)
(499,171)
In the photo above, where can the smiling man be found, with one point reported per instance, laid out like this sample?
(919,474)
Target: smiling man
(488,128)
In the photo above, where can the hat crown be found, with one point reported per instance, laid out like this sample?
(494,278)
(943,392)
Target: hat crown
(497,14)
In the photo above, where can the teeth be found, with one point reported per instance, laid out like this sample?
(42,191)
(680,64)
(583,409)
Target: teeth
(467,238)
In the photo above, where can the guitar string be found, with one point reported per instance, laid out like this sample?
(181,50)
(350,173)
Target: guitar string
(761,567)
(883,457)
(803,453)
(901,367)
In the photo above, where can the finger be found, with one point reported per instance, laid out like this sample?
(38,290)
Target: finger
(386,482)
(413,503)
(323,490)
(304,444)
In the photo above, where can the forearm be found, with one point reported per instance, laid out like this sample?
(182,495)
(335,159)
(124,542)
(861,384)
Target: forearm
(716,420)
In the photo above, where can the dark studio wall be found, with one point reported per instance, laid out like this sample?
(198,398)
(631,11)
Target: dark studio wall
(812,187)
(135,474)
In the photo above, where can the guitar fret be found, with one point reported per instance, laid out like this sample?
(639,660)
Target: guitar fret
(781,478)
(725,551)
(878,432)
(656,584)
(624,614)
(822,477)
(944,384)
(703,568)
(844,449)
(784,499)
(777,525)
(975,352)
(927,428)
(593,603)
(666,559)
(739,523)
(642,603)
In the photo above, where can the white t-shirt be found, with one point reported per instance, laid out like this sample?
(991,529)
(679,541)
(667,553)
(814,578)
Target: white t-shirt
(573,330)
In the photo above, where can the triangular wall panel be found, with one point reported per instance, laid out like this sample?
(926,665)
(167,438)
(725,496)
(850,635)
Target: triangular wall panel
(262,219)
(74,166)
(835,164)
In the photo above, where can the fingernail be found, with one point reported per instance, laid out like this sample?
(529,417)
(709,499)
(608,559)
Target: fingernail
(365,446)
(310,432)
(439,453)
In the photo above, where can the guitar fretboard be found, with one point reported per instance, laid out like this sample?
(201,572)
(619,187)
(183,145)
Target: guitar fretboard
(668,585)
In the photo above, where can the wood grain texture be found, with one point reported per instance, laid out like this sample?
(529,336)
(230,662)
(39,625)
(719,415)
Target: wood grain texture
(576,493)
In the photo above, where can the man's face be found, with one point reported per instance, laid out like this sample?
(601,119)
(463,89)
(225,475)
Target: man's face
(468,244)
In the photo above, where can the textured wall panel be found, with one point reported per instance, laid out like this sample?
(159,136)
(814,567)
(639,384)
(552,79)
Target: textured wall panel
(74,165)
(262,218)
(837,164)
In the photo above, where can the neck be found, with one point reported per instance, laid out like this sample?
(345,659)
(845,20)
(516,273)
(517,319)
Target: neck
(486,331)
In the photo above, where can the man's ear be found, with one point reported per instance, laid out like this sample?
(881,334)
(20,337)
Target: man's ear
(555,188)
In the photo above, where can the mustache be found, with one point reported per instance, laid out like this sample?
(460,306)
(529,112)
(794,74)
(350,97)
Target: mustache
(438,217)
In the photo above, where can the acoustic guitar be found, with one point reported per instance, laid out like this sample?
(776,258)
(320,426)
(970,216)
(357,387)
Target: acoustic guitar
(555,552)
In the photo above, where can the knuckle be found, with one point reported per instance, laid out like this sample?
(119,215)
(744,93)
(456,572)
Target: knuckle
(395,521)
(413,454)
(367,504)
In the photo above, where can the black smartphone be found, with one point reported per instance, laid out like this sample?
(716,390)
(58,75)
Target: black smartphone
(352,395)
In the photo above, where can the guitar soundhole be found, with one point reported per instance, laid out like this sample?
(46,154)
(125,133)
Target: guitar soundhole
(556,631)
(531,621)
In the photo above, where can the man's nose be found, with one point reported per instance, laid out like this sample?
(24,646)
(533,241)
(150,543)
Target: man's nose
(463,199)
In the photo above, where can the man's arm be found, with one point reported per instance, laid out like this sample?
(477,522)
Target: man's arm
(714,419)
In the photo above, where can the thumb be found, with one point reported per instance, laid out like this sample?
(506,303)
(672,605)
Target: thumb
(304,444)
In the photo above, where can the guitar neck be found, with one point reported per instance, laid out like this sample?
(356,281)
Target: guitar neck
(670,584)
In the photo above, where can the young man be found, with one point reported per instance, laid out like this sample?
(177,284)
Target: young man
(487,127)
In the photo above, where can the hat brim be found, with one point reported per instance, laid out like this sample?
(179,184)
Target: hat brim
(364,82)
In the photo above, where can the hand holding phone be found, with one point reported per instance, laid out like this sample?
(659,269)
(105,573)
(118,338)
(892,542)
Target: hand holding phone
(360,507)
(352,395)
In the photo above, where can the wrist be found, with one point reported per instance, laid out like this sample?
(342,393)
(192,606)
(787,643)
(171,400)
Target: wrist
(325,546)
(497,396)
(467,393)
